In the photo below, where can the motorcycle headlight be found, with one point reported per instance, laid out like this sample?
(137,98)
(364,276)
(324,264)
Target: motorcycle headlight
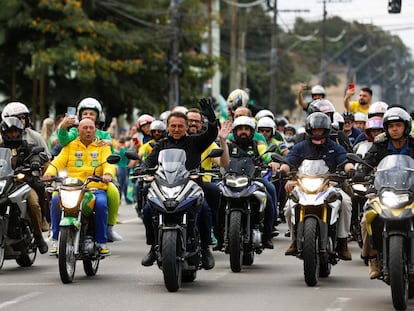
(69,199)
(236,181)
(394,200)
(171,192)
(312,184)
(359,187)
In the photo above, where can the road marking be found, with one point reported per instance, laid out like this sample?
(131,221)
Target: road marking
(127,221)
(338,304)
(19,299)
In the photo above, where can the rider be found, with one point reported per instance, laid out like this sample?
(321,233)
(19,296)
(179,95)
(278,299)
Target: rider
(194,146)
(319,146)
(317,92)
(397,140)
(243,144)
(80,157)
(12,134)
(20,111)
(67,132)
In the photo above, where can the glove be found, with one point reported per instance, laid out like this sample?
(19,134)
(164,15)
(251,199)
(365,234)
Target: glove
(139,170)
(350,173)
(35,166)
(207,109)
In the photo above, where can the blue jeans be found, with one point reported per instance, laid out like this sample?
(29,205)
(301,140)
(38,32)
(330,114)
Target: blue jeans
(272,195)
(100,216)
(202,219)
(122,177)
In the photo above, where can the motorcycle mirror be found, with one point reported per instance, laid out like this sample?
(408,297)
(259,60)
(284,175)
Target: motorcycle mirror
(113,159)
(37,150)
(215,153)
(132,155)
(354,158)
(43,156)
(271,148)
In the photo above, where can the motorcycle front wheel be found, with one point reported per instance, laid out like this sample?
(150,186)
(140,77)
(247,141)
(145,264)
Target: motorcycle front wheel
(67,260)
(310,252)
(235,241)
(398,272)
(171,264)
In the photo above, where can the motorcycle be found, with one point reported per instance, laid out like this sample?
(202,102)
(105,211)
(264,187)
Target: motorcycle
(175,199)
(243,207)
(315,204)
(359,190)
(76,238)
(390,224)
(16,233)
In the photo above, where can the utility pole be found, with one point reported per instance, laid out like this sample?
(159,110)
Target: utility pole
(174,62)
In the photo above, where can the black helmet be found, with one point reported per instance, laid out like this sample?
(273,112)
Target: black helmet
(318,120)
(396,114)
(8,124)
(348,116)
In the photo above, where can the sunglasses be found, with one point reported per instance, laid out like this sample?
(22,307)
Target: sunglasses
(265,130)
(157,131)
(194,121)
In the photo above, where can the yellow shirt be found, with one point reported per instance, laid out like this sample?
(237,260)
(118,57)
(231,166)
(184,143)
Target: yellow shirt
(145,149)
(356,107)
(207,164)
(80,162)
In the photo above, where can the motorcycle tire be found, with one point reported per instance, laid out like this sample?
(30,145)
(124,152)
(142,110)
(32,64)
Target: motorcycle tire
(2,251)
(310,252)
(28,258)
(90,266)
(411,290)
(248,258)
(236,241)
(171,264)
(189,276)
(67,260)
(398,272)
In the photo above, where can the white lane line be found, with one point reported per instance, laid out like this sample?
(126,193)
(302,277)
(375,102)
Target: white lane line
(338,304)
(19,299)
(127,221)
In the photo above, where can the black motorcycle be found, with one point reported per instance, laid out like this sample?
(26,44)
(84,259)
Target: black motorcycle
(16,234)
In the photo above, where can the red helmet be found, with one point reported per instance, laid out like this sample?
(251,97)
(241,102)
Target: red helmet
(144,119)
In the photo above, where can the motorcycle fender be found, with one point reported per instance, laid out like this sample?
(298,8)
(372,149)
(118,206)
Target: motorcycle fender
(70,221)
(335,206)
(372,211)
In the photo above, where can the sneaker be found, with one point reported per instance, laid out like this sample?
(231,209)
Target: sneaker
(113,236)
(287,234)
(102,249)
(53,247)
(213,238)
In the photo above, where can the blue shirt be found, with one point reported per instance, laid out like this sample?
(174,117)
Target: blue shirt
(332,153)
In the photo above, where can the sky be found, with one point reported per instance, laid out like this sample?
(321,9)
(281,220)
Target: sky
(363,11)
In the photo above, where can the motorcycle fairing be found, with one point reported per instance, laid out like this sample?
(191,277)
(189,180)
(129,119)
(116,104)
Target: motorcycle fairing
(70,221)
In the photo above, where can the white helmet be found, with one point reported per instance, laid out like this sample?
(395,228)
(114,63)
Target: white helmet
(164,115)
(158,125)
(318,90)
(267,123)
(377,109)
(338,121)
(360,116)
(90,103)
(264,113)
(244,120)
(14,109)
(237,98)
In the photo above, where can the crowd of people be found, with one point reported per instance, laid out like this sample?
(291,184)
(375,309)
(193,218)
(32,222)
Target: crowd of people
(78,142)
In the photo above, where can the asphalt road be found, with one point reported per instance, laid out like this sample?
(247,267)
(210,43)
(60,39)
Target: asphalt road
(273,282)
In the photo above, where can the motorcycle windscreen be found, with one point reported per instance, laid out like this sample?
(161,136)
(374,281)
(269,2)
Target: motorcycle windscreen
(171,165)
(313,168)
(5,162)
(395,171)
(242,166)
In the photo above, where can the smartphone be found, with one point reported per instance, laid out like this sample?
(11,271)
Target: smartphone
(351,86)
(71,112)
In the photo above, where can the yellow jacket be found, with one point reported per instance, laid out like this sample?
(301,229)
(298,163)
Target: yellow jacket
(80,161)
